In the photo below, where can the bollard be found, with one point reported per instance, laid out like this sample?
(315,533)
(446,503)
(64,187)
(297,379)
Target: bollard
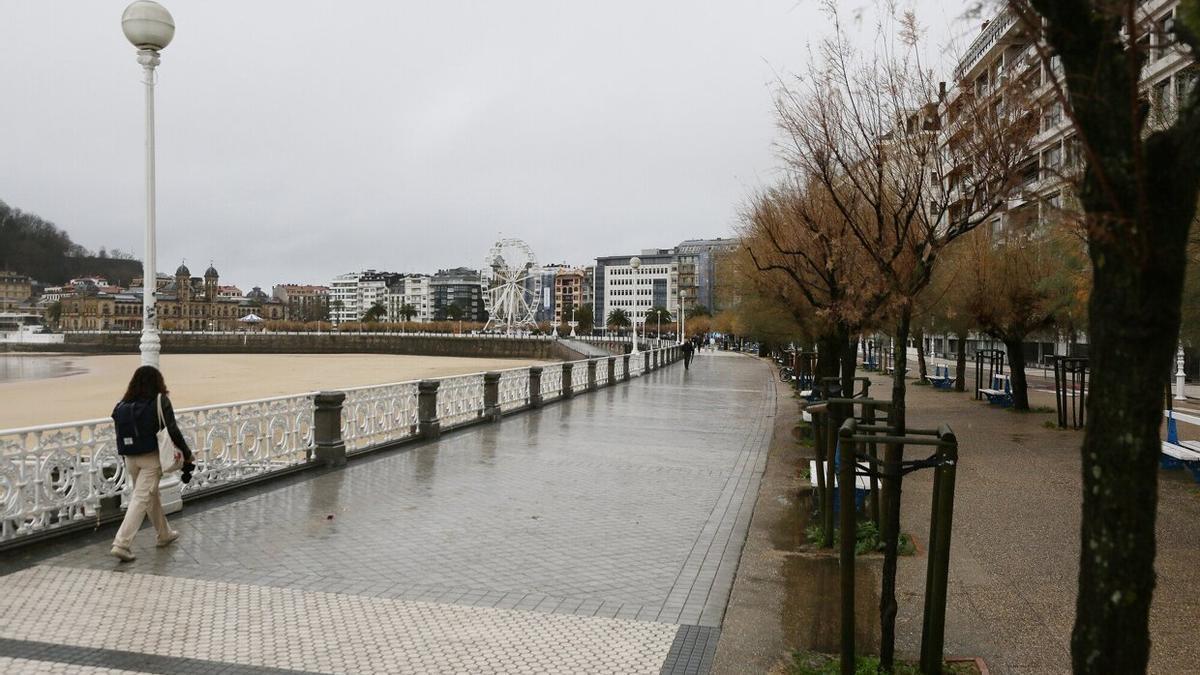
(591,385)
(428,426)
(327,428)
(567,389)
(626,376)
(535,386)
(612,370)
(491,396)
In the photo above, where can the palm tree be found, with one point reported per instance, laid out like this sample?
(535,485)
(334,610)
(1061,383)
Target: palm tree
(407,312)
(658,316)
(375,313)
(618,319)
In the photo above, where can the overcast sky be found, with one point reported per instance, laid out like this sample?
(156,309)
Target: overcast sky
(301,139)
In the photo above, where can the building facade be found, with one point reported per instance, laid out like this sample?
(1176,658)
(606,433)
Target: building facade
(568,293)
(15,290)
(303,302)
(619,286)
(459,286)
(186,303)
(410,290)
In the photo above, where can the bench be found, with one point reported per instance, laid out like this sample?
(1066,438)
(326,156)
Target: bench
(1185,454)
(862,485)
(1001,391)
(941,377)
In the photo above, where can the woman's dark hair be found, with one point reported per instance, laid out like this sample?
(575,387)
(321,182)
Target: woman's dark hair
(146,383)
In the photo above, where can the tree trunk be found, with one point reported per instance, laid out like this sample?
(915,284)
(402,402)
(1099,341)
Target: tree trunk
(922,370)
(1133,324)
(1016,359)
(893,455)
(960,369)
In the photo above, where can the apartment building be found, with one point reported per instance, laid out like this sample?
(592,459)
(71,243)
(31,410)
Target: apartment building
(618,286)
(303,302)
(411,290)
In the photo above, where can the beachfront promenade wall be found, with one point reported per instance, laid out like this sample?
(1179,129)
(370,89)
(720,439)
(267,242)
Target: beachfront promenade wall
(421,344)
(61,478)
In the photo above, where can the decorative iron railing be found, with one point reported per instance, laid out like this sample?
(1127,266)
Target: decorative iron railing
(379,414)
(513,389)
(460,400)
(552,382)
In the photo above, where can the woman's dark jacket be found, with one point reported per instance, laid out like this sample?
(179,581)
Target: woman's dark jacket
(137,424)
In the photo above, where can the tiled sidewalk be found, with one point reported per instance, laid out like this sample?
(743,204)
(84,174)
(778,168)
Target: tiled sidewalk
(585,537)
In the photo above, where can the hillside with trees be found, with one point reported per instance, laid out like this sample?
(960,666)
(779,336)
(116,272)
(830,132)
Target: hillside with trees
(38,248)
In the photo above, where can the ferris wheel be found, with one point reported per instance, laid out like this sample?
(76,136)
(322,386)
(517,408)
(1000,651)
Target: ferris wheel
(508,269)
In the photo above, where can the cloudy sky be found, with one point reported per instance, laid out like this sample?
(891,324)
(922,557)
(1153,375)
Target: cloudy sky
(301,139)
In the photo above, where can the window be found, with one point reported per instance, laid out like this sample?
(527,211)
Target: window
(1051,160)
(1051,115)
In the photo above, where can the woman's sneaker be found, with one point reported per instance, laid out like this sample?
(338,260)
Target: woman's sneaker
(124,554)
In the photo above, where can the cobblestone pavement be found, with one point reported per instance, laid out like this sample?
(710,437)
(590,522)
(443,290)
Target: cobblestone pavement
(600,534)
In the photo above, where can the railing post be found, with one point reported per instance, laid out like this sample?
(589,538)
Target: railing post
(591,385)
(846,484)
(567,389)
(327,428)
(428,426)
(626,376)
(612,370)
(645,362)
(491,396)
(535,386)
(657,353)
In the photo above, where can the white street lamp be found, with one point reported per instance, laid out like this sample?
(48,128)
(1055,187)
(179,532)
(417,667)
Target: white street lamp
(149,26)
(1180,376)
(635,262)
(572,323)
(554,328)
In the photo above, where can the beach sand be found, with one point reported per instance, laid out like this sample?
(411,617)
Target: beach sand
(205,379)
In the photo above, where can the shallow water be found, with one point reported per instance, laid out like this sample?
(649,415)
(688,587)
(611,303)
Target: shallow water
(18,367)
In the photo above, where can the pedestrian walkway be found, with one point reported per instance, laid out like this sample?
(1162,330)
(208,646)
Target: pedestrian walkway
(600,534)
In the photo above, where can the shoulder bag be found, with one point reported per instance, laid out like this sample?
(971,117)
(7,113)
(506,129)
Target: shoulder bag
(169,456)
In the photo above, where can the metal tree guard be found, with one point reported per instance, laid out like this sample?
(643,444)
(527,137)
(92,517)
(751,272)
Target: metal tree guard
(1070,390)
(995,363)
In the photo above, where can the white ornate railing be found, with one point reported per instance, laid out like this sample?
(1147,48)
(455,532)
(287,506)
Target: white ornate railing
(513,389)
(619,370)
(552,381)
(237,441)
(579,376)
(460,400)
(53,475)
(379,414)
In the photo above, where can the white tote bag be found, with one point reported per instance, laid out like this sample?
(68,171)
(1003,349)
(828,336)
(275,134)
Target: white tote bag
(169,456)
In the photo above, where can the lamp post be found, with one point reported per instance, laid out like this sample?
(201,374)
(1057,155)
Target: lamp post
(149,27)
(572,323)
(635,262)
(554,328)
(1180,377)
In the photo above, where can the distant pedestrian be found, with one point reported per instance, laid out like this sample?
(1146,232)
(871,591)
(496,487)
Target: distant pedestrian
(139,416)
(687,354)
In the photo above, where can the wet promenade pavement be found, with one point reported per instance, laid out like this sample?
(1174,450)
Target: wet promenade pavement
(600,534)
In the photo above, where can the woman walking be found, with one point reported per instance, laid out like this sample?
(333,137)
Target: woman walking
(138,422)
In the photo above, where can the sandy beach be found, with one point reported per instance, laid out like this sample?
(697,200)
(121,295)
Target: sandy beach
(204,379)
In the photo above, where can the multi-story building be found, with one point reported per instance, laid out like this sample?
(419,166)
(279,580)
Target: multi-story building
(568,293)
(619,286)
(186,303)
(460,286)
(411,290)
(304,302)
(699,260)
(15,290)
(352,294)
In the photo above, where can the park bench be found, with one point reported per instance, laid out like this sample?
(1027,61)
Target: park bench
(862,484)
(1185,454)
(941,377)
(1001,391)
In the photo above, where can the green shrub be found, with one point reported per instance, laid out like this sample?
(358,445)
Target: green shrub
(866,539)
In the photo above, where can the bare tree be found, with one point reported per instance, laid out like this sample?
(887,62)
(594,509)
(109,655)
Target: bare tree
(909,167)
